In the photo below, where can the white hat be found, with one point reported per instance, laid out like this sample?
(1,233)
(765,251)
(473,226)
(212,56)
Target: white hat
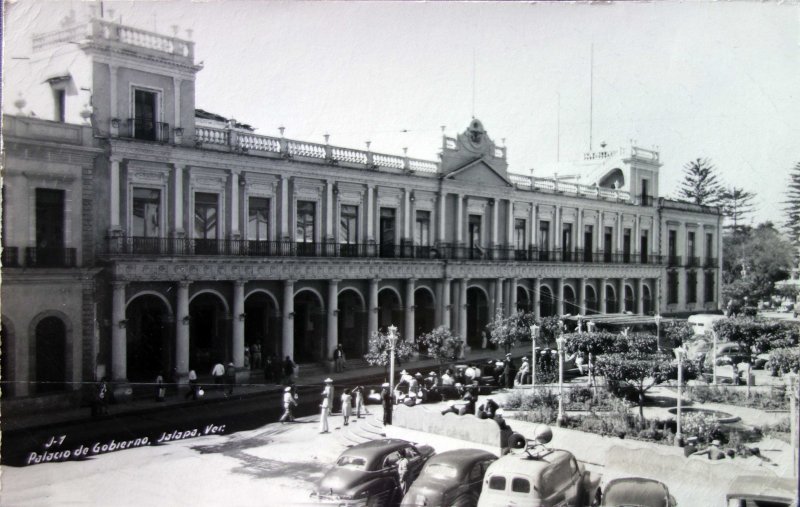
(288,389)
(508,355)
(404,372)
(499,411)
(328,380)
(525,358)
(385,384)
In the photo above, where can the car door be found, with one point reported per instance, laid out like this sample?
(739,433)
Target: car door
(415,462)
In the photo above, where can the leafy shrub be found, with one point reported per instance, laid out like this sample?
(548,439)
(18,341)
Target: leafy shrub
(774,400)
(784,360)
(701,425)
(441,344)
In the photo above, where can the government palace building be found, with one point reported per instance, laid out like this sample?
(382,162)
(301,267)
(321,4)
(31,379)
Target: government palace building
(144,235)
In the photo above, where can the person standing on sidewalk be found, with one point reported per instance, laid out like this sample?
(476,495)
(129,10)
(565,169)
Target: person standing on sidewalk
(288,370)
(192,385)
(218,373)
(325,406)
(386,400)
(161,390)
(359,393)
(347,406)
(230,378)
(289,402)
(339,359)
(327,394)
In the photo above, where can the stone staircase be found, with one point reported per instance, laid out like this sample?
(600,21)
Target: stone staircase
(369,427)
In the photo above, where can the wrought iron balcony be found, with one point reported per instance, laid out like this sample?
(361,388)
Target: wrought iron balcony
(645,200)
(711,262)
(50,257)
(673,261)
(10,257)
(692,262)
(145,130)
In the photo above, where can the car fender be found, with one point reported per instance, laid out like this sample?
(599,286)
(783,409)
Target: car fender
(591,482)
(374,486)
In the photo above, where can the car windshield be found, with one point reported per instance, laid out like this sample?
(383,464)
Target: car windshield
(352,462)
(441,471)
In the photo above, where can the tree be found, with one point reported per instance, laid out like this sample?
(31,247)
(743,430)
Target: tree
(508,331)
(700,184)
(676,333)
(792,208)
(753,260)
(737,204)
(442,344)
(638,371)
(380,349)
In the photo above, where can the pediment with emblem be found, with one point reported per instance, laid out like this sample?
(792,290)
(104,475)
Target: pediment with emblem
(479,173)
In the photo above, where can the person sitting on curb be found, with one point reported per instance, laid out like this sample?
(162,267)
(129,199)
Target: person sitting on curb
(713,451)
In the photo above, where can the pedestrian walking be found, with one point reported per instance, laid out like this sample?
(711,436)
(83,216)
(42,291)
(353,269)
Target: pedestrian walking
(325,406)
(508,372)
(268,369)
(193,388)
(100,402)
(230,378)
(402,471)
(347,406)
(218,374)
(359,394)
(247,358)
(386,400)
(161,390)
(255,355)
(339,359)
(288,370)
(289,402)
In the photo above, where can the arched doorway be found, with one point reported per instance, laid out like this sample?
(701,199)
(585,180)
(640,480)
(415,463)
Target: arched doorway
(352,321)
(523,300)
(389,311)
(424,312)
(477,316)
(51,348)
(262,325)
(309,328)
(148,338)
(208,330)
(591,300)
(611,300)
(570,306)
(546,302)
(630,300)
(647,301)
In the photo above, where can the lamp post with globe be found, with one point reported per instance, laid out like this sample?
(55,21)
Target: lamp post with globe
(392,341)
(534,336)
(658,318)
(680,355)
(560,342)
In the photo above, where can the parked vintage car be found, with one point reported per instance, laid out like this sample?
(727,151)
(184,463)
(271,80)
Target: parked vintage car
(761,490)
(366,474)
(451,478)
(538,476)
(727,353)
(637,491)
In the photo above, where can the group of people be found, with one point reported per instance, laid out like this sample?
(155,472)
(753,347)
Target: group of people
(347,397)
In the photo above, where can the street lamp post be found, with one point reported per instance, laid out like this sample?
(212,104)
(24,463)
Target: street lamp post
(534,335)
(560,341)
(657,318)
(392,341)
(680,354)
(714,359)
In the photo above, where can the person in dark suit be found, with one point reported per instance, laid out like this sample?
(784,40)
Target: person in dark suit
(386,400)
(508,372)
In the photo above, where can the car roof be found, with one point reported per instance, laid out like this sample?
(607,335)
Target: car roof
(636,491)
(523,464)
(376,448)
(762,486)
(461,457)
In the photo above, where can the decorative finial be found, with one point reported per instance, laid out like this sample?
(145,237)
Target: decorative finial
(327,137)
(368,143)
(189,33)
(405,150)
(20,103)
(443,128)
(281,129)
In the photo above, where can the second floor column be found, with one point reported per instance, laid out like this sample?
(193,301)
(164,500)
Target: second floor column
(462,312)
(440,236)
(557,230)
(560,296)
(329,211)
(333,318)
(640,298)
(579,232)
(459,219)
(621,296)
(512,295)
(370,214)
(537,286)
(409,311)
(582,296)
(372,308)
(177,197)
(495,207)
(498,297)
(119,334)
(235,234)
(238,323)
(287,332)
(114,205)
(182,330)
(446,305)
(600,234)
(510,228)
(602,295)
(285,209)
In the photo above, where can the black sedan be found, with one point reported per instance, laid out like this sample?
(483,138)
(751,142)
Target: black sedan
(637,491)
(366,474)
(450,478)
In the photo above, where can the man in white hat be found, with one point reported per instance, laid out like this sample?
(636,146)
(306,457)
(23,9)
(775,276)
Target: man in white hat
(325,406)
(288,402)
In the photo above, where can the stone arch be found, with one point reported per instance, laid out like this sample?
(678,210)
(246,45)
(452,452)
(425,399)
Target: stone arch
(309,324)
(209,330)
(352,322)
(478,316)
(50,351)
(424,311)
(262,326)
(611,299)
(570,302)
(157,294)
(524,302)
(390,310)
(149,330)
(630,299)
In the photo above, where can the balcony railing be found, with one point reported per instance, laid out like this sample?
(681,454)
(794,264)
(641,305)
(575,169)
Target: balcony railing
(692,262)
(673,260)
(252,248)
(145,130)
(711,262)
(10,257)
(645,200)
(50,257)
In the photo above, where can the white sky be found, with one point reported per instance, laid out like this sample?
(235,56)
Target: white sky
(718,80)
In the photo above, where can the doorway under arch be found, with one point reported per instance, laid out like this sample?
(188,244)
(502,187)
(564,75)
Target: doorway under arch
(647,301)
(208,331)
(570,305)
(352,322)
(262,325)
(611,300)
(390,312)
(630,300)
(149,347)
(591,301)
(309,328)
(546,302)
(477,317)
(523,300)
(51,348)
(424,312)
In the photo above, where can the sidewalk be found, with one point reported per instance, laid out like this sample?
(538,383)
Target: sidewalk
(257,387)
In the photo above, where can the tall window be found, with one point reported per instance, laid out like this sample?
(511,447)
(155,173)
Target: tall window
(475,249)
(608,243)
(306,222)
(644,245)
(544,240)
(348,224)
(206,223)
(709,287)
(388,231)
(672,287)
(258,219)
(49,227)
(691,287)
(626,245)
(422,232)
(146,212)
(145,114)
(566,241)
(60,99)
(588,240)
(519,234)
(690,246)
(710,246)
